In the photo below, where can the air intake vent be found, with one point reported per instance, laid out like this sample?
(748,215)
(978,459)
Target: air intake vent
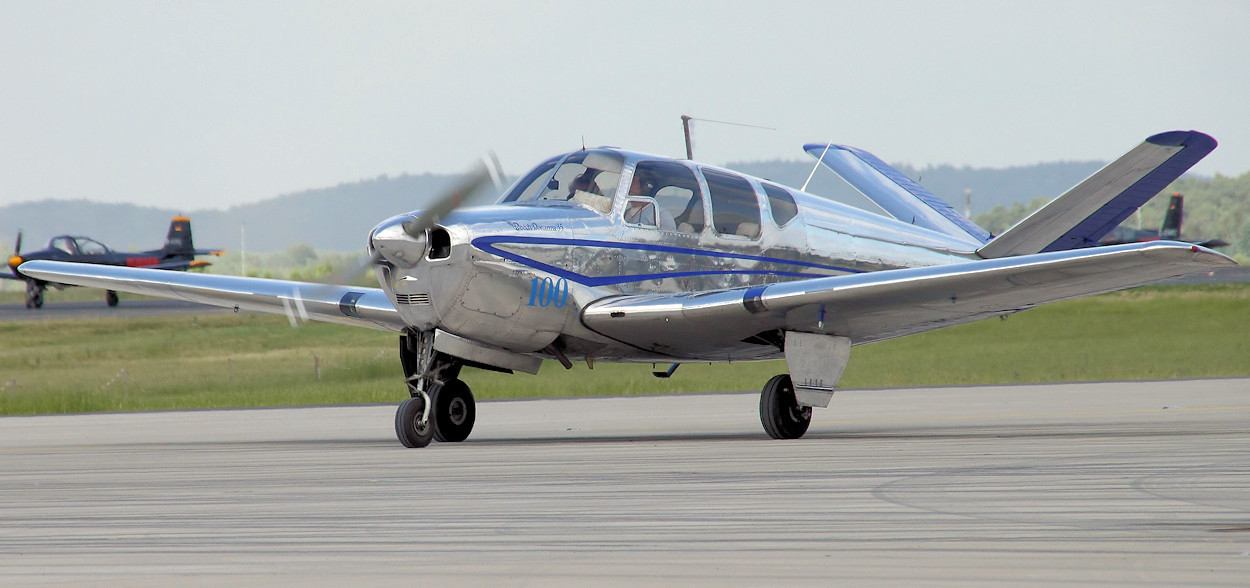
(440,243)
(412,299)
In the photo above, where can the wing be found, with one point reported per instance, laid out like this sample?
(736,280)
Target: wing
(880,305)
(364,307)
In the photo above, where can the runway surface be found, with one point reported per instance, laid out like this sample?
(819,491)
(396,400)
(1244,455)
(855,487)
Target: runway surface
(1126,484)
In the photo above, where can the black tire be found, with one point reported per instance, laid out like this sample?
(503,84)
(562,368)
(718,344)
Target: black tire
(110,297)
(454,411)
(780,412)
(407,424)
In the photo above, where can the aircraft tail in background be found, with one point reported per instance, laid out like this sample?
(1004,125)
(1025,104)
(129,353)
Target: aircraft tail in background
(179,244)
(178,241)
(1172,221)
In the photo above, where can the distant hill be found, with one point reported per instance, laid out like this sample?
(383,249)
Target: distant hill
(329,219)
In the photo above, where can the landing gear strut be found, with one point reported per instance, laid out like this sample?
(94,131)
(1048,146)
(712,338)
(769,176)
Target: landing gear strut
(34,294)
(441,406)
(780,412)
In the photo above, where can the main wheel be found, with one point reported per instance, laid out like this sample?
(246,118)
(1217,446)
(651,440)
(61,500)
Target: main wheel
(110,297)
(453,412)
(411,430)
(780,412)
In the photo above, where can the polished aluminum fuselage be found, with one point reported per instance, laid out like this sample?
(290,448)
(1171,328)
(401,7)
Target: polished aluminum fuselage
(518,275)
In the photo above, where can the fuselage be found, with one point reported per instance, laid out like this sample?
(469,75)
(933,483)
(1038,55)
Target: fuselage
(597,223)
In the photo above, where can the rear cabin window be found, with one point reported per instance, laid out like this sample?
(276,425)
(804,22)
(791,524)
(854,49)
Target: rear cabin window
(675,191)
(735,209)
(781,203)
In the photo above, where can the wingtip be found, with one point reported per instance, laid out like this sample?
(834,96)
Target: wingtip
(1192,139)
(1195,252)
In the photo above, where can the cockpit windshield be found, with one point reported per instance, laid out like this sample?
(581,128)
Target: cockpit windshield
(588,178)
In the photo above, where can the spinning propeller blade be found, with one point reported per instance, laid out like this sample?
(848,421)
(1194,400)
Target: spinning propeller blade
(486,170)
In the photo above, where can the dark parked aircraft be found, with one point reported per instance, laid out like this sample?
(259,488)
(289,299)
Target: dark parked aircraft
(177,254)
(1171,229)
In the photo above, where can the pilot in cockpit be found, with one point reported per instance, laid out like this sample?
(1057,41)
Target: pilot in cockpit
(585,182)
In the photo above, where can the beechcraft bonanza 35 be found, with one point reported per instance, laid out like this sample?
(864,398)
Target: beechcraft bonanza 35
(178,254)
(611,255)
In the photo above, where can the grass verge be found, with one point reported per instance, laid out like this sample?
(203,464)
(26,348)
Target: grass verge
(258,360)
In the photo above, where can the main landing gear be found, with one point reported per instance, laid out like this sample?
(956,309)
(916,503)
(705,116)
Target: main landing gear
(34,294)
(110,297)
(780,412)
(441,406)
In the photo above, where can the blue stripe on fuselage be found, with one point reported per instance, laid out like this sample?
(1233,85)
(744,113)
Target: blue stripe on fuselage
(488,244)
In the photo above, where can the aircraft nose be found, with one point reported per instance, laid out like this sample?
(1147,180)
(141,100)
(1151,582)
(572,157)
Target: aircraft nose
(392,241)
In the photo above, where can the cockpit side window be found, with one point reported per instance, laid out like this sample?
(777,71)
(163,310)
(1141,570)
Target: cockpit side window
(781,203)
(526,188)
(735,208)
(588,178)
(675,190)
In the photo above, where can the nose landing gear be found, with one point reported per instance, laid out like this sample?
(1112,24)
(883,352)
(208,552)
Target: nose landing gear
(34,294)
(441,406)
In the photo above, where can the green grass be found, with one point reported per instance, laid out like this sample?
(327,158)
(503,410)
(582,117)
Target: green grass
(259,360)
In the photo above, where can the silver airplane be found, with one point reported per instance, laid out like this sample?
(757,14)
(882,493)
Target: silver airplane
(611,255)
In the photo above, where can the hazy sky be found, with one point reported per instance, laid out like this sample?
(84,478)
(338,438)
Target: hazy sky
(209,104)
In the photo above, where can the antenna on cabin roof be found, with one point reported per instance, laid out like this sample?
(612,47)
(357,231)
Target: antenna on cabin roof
(685,127)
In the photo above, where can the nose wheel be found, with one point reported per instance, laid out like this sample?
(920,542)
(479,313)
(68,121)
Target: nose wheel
(441,406)
(412,425)
(450,418)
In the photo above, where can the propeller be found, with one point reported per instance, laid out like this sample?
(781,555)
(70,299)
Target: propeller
(409,232)
(16,259)
(401,240)
(487,169)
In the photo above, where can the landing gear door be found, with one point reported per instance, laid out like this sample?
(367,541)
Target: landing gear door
(816,363)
